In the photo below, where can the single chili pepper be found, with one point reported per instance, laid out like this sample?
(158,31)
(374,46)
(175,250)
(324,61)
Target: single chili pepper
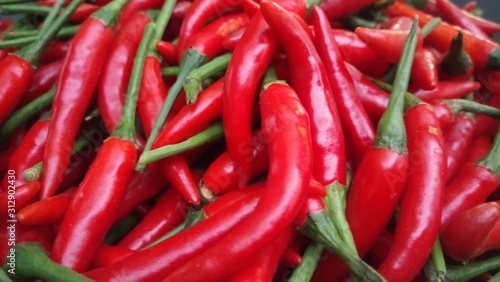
(473,183)
(75,90)
(356,52)
(484,53)
(387,43)
(419,218)
(292,257)
(272,215)
(457,139)
(43,235)
(133,6)
(336,9)
(168,212)
(456,63)
(222,174)
(14,198)
(56,50)
(117,68)
(107,255)
(446,90)
(389,155)
(479,147)
(472,232)
(264,265)
(425,69)
(29,152)
(168,51)
(47,211)
(454,15)
(43,80)
(251,57)
(32,261)
(91,212)
(167,255)
(358,130)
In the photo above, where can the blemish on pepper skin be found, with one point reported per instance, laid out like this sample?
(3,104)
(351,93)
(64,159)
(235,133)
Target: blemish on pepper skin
(302,131)
(433,130)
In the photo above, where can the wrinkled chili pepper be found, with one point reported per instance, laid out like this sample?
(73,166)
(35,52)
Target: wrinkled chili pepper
(75,90)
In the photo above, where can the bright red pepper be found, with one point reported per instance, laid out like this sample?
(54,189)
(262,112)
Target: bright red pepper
(250,59)
(47,211)
(24,195)
(424,72)
(480,146)
(168,51)
(107,255)
(457,139)
(44,78)
(54,52)
(75,90)
(446,90)
(357,127)
(133,6)
(286,124)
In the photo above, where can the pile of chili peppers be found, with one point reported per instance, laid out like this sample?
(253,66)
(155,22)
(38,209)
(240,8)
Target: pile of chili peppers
(246,140)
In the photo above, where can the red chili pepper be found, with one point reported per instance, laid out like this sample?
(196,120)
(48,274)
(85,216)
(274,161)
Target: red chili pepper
(472,232)
(456,63)
(47,211)
(286,124)
(43,80)
(83,12)
(29,152)
(457,139)
(264,266)
(446,90)
(75,90)
(107,255)
(336,9)
(356,52)
(424,72)
(17,197)
(54,52)
(484,53)
(168,51)
(454,15)
(232,39)
(250,59)
(133,6)
(168,212)
(419,219)
(479,147)
(169,254)
(473,184)
(117,68)
(358,130)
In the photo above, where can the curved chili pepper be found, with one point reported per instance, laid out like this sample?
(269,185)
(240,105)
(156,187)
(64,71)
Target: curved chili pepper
(168,51)
(357,127)
(446,90)
(168,212)
(29,152)
(24,194)
(454,15)
(250,59)
(473,184)
(43,79)
(286,123)
(107,255)
(472,232)
(456,63)
(356,52)
(424,72)
(419,219)
(457,139)
(75,90)
(117,68)
(47,211)
(336,9)
(169,254)
(264,265)
(484,53)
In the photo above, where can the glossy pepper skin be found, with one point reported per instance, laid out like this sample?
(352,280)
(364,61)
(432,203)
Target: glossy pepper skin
(309,78)
(47,211)
(117,67)
(25,194)
(76,87)
(357,127)
(419,219)
(250,59)
(457,139)
(287,124)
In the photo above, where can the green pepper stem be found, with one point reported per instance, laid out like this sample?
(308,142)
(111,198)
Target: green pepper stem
(310,260)
(495,278)
(320,228)
(32,261)
(494,59)
(456,62)
(65,31)
(462,105)
(27,9)
(170,71)
(33,51)
(122,228)
(356,21)
(335,204)
(391,133)
(126,127)
(191,60)
(210,134)
(492,159)
(52,16)
(25,113)
(4,277)
(6,2)
(438,260)
(193,83)
(162,21)
(419,4)
(109,14)
(430,26)
(470,271)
